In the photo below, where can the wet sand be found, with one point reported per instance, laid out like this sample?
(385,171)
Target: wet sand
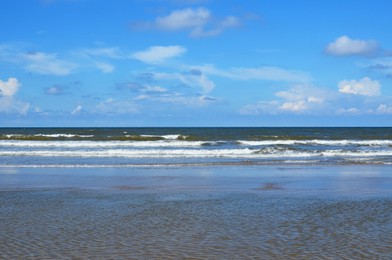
(231,212)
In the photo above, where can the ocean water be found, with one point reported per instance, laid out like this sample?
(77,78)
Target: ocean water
(224,212)
(130,147)
(247,193)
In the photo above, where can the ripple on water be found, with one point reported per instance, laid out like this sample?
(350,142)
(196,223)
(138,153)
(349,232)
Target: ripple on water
(57,224)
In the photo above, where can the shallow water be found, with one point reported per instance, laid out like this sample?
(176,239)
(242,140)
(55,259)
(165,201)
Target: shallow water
(197,213)
(55,224)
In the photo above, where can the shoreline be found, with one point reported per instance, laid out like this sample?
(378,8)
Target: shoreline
(267,212)
(321,179)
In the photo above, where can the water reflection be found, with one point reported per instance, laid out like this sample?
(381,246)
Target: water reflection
(128,223)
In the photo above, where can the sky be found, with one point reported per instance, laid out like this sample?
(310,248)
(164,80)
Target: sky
(164,63)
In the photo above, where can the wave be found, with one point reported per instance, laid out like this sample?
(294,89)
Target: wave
(196,153)
(44,136)
(168,137)
(63,136)
(99,144)
(317,142)
(127,153)
(289,162)
(175,141)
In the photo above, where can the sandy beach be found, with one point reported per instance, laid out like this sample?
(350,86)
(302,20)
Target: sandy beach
(196,212)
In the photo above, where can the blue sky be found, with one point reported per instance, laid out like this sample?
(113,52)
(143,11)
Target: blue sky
(195,63)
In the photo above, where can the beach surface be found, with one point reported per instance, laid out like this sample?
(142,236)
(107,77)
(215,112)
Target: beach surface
(216,212)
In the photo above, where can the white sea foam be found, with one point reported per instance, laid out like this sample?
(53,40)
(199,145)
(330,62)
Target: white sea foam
(99,144)
(192,153)
(318,142)
(167,137)
(129,153)
(64,135)
(174,142)
(49,135)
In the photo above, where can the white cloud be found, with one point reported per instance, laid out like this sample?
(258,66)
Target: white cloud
(382,65)
(297,100)
(141,88)
(113,106)
(184,18)
(257,73)
(301,99)
(196,78)
(10,105)
(350,111)
(53,90)
(77,110)
(104,66)
(9,87)
(178,98)
(384,109)
(154,89)
(56,90)
(193,78)
(188,88)
(97,57)
(261,107)
(47,64)
(229,21)
(159,54)
(344,46)
(199,21)
(305,99)
(363,87)
(112,52)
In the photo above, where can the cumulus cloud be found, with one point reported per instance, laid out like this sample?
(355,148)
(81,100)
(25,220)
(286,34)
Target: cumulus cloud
(345,46)
(298,100)
(9,88)
(349,111)
(302,98)
(257,73)
(184,18)
(384,109)
(46,64)
(218,28)
(363,87)
(10,105)
(199,21)
(159,54)
(56,90)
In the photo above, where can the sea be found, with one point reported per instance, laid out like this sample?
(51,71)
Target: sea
(196,193)
(156,147)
